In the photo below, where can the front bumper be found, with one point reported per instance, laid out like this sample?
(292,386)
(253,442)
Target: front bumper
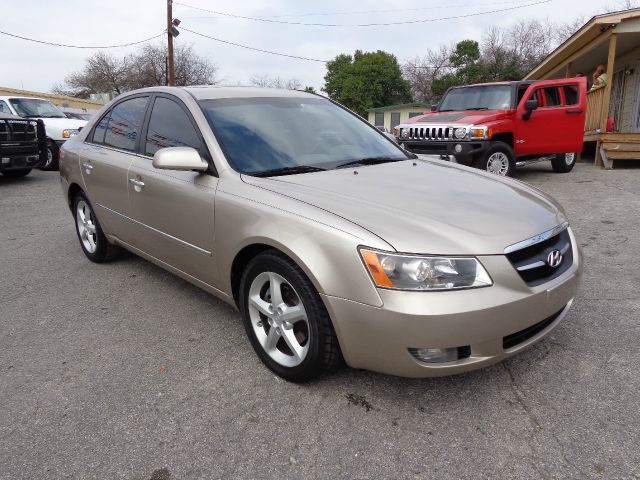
(470,149)
(379,339)
(12,161)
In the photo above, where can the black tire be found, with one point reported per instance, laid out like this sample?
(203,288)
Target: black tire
(104,251)
(487,164)
(53,155)
(323,355)
(23,172)
(564,162)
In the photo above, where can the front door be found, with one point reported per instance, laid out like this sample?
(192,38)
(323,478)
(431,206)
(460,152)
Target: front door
(172,211)
(557,125)
(105,158)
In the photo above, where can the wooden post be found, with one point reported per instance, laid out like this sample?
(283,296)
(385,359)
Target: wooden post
(606,101)
(170,77)
(567,71)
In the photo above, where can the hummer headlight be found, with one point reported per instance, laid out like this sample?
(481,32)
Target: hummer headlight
(424,273)
(460,133)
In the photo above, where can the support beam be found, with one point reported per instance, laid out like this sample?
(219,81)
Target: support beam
(606,101)
(567,71)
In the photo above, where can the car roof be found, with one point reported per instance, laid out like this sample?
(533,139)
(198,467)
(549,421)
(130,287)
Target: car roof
(208,92)
(7,97)
(508,82)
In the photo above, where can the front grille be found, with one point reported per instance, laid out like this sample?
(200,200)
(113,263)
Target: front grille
(18,131)
(427,133)
(531,262)
(522,336)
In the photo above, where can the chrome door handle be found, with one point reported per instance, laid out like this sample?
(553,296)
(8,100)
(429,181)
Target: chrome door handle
(87,166)
(136,183)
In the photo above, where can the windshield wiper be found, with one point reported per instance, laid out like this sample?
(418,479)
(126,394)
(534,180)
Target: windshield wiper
(477,108)
(369,161)
(274,172)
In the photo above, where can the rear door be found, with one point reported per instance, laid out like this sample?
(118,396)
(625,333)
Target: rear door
(104,161)
(557,125)
(172,211)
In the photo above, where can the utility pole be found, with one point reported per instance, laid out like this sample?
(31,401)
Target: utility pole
(170,27)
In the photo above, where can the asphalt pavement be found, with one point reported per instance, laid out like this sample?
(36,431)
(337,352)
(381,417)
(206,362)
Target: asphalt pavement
(124,371)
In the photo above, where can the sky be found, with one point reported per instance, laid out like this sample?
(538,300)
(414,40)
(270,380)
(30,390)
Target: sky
(37,67)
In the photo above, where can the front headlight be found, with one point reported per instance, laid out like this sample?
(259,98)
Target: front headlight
(70,133)
(416,272)
(460,133)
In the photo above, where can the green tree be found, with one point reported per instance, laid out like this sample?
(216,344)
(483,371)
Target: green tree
(366,80)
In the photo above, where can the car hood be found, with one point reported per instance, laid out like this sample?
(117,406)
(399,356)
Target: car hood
(472,117)
(423,206)
(55,126)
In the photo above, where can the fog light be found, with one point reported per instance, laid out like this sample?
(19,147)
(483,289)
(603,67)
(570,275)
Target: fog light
(435,355)
(457,148)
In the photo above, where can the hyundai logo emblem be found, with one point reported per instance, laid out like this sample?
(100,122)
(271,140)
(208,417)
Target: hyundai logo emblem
(554,258)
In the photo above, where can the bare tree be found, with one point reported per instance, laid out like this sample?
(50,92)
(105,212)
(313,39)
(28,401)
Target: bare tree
(104,73)
(421,72)
(264,80)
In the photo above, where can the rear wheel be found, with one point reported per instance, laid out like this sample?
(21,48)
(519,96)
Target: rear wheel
(564,162)
(499,160)
(16,173)
(285,319)
(92,240)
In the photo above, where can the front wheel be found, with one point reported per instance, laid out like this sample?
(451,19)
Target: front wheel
(564,162)
(285,319)
(499,160)
(23,172)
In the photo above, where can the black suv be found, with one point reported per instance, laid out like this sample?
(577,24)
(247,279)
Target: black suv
(23,145)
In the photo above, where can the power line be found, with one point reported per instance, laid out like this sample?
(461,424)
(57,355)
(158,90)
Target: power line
(392,10)
(81,46)
(252,48)
(406,22)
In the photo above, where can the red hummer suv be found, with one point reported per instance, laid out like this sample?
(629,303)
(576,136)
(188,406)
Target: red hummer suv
(497,126)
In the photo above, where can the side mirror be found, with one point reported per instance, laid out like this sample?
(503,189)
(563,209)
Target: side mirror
(530,106)
(179,158)
(434,107)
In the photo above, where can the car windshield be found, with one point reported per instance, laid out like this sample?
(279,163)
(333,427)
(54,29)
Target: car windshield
(31,107)
(294,134)
(483,97)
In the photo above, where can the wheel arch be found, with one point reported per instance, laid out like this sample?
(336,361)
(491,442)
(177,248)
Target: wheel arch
(251,250)
(504,137)
(73,190)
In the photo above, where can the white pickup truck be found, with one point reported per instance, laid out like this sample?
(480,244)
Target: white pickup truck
(58,127)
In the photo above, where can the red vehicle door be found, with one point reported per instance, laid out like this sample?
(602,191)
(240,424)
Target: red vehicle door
(557,124)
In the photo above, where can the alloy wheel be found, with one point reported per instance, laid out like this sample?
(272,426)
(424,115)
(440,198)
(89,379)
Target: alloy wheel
(569,158)
(86,222)
(498,164)
(279,319)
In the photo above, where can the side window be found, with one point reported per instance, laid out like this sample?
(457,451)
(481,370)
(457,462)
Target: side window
(4,108)
(570,94)
(125,123)
(169,126)
(552,97)
(100,129)
(379,120)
